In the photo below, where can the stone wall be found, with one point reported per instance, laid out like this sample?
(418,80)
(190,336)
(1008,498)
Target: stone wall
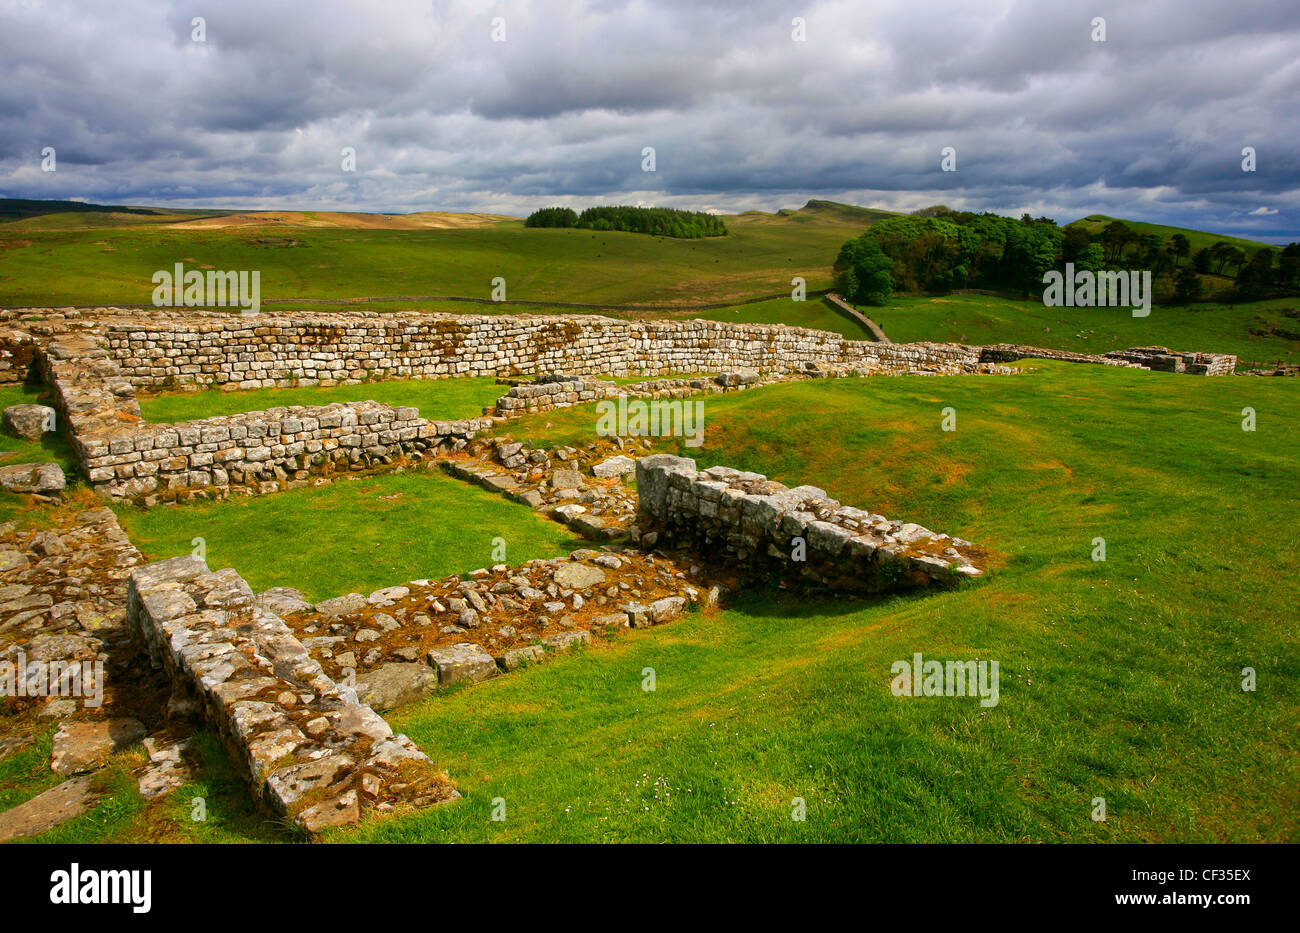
(331,349)
(124,457)
(1160,359)
(550,392)
(756,524)
(268,450)
(17,350)
(310,751)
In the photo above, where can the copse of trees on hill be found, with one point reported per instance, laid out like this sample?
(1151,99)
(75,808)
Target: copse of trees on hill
(552,217)
(657,221)
(939,251)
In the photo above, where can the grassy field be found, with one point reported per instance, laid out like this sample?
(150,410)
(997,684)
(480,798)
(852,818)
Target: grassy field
(980,319)
(1119,679)
(76,266)
(364,534)
(1197,239)
(19,450)
(437,399)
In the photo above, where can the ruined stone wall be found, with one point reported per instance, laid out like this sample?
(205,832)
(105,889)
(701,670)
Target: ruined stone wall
(309,749)
(124,457)
(333,349)
(280,447)
(770,531)
(1160,359)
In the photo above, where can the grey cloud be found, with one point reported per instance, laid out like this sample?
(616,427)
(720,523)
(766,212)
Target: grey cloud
(1148,124)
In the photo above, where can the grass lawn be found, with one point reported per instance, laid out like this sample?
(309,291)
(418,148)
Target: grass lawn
(1197,239)
(815,313)
(980,319)
(351,535)
(1119,679)
(54,267)
(52,446)
(437,399)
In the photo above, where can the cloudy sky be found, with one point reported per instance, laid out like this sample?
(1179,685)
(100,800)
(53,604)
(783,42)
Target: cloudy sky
(1149,124)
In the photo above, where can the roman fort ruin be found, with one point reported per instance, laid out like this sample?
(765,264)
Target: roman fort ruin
(293,688)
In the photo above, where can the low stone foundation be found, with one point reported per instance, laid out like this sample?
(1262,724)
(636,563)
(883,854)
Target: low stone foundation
(767,529)
(272,449)
(310,751)
(1160,359)
(261,451)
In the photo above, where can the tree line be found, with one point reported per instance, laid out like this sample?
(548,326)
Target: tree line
(939,251)
(656,221)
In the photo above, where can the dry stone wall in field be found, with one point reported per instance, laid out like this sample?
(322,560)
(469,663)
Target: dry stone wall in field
(773,531)
(331,349)
(309,749)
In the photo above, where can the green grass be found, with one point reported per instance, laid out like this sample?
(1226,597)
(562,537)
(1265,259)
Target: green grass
(980,319)
(122,815)
(1198,239)
(437,399)
(43,267)
(1119,679)
(51,446)
(814,313)
(351,535)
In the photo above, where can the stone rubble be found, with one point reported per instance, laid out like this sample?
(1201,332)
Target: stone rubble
(514,615)
(310,750)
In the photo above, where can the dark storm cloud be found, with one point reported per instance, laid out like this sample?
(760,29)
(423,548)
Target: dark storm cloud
(1148,124)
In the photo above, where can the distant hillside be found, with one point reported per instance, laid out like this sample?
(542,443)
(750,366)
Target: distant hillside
(1197,238)
(22,208)
(819,213)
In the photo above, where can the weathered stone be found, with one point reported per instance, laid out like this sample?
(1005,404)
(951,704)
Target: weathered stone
(47,810)
(518,657)
(464,661)
(342,605)
(85,746)
(575,576)
(283,601)
(397,684)
(39,478)
(666,609)
(567,479)
(29,421)
(614,466)
(563,641)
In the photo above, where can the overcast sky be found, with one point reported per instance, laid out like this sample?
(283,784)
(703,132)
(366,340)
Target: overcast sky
(1149,124)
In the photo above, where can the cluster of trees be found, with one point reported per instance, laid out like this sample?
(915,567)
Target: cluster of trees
(939,250)
(657,221)
(553,217)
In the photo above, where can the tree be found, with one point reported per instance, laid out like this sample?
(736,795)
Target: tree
(1201,260)
(1180,246)
(552,217)
(1114,237)
(1257,274)
(1221,253)
(864,272)
(1288,266)
(1187,287)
